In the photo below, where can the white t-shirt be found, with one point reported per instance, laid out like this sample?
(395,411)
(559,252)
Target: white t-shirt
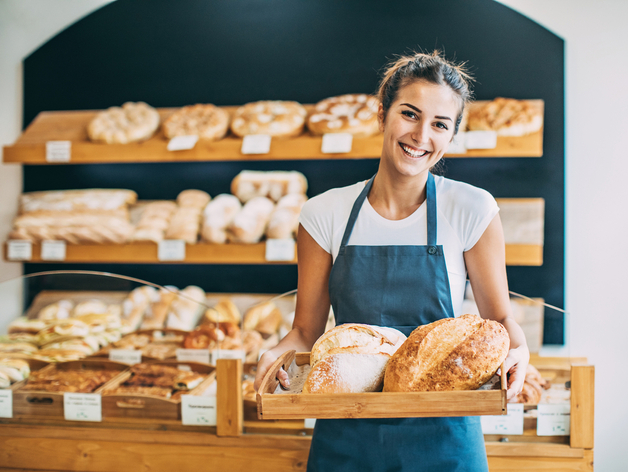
(463,214)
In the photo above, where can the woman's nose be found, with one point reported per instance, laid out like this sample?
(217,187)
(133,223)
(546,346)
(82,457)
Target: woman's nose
(420,133)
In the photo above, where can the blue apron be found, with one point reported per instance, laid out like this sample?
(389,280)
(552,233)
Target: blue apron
(402,287)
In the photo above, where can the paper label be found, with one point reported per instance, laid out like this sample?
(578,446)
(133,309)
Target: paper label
(19,250)
(280,249)
(171,250)
(126,356)
(512,423)
(193,355)
(198,411)
(553,420)
(228,354)
(6,403)
(480,140)
(53,250)
(309,423)
(182,143)
(457,146)
(256,144)
(335,143)
(82,406)
(58,151)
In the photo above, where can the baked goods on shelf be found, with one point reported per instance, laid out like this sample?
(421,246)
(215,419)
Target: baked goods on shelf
(157,310)
(249,224)
(506,116)
(54,379)
(186,309)
(351,113)
(13,370)
(351,358)
(217,216)
(154,221)
(533,387)
(284,220)
(186,220)
(206,121)
(249,184)
(274,118)
(134,121)
(449,354)
(114,201)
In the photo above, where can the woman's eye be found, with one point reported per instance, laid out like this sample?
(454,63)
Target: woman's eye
(409,114)
(441,125)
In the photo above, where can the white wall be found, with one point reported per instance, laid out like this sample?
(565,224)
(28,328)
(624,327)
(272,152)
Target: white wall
(596,43)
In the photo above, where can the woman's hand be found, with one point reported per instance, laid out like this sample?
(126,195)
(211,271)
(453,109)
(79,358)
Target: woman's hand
(265,362)
(515,367)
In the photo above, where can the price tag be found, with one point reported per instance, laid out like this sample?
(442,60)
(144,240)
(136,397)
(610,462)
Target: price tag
(457,146)
(480,140)
(6,403)
(193,355)
(280,249)
(256,144)
(182,143)
(198,411)
(19,250)
(309,423)
(228,354)
(171,250)
(553,420)
(58,151)
(53,250)
(126,356)
(82,406)
(512,423)
(336,143)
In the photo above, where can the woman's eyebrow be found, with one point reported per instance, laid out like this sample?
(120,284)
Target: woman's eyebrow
(419,111)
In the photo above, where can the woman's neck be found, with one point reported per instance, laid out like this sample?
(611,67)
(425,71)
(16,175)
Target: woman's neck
(397,197)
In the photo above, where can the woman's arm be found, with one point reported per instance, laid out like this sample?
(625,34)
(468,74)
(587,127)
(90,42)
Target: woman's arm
(486,265)
(312,308)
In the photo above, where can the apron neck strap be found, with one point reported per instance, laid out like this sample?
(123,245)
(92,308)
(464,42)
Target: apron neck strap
(431,211)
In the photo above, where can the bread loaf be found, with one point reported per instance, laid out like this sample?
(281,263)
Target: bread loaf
(264,318)
(186,309)
(249,224)
(351,358)
(217,216)
(155,315)
(449,354)
(249,184)
(284,220)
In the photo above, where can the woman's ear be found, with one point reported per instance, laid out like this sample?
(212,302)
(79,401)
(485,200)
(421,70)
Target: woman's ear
(380,117)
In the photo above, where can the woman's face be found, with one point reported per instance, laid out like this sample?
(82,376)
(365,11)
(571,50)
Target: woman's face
(418,127)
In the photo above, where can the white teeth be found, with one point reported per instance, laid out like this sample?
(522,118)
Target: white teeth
(412,152)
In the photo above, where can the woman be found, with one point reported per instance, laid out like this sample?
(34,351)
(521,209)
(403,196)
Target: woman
(395,251)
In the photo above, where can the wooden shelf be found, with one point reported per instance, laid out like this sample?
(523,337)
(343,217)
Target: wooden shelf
(146,253)
(30,147)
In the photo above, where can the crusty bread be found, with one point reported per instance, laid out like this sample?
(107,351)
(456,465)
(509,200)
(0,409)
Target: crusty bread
(275,118)
(351,113)
(249,224)
(206,121)
(249,184)
(449,354)
(134,121)
(217,216)
(506,116)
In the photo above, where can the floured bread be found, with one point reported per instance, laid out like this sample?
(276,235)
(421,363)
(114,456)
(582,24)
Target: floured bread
(449,354)
(506,116)
(351,113)
(134,121)
(274,118)
(351,358)
(205,121)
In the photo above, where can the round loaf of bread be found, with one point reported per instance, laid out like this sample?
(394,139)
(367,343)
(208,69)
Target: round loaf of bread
(134,121)
(351,358)
(206,121)
(505,116)
(449,354)
(274,118)
(351,113)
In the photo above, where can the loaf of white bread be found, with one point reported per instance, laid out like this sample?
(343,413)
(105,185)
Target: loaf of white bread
(449,354)
(351,358)
(249,184)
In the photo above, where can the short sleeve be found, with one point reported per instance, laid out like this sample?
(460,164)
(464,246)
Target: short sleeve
(317,221)
(484,209)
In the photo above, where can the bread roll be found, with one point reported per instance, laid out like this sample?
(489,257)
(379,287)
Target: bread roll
(224,311)
(186,309)
(217,216)
(450,354)
(135,305)
(274,185)
(185,224)
(351,358)
(264,318)
(250,223)
(155,315)
(193,198)
(284,220)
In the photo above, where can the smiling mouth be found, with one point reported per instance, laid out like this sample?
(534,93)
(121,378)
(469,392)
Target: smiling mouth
(412,152)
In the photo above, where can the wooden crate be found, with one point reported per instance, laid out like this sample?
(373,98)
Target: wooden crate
(371,405)
(117,405)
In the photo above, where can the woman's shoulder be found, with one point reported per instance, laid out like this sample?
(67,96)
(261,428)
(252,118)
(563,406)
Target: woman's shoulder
(334,200)
(462,196)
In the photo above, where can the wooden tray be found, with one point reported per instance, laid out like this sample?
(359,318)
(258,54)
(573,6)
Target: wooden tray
(116,405)
(34,403)
(371,405)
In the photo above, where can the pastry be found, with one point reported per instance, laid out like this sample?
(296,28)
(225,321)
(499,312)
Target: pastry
(134,121)
(135,305)
(274,118)
(225,311)
(284,220)
(205,121)
(506,116)
(157,311)
(186,309)
(351,113)
(264,318)
(249,184)
(56,311)
(217,216)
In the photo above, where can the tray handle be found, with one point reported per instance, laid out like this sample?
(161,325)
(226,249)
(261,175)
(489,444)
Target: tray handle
(270,382)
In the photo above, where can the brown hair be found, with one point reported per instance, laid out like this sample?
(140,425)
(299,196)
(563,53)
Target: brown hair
(432,68)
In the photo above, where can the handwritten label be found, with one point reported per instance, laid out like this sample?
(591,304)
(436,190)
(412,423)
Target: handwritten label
(512,423)
(58,151)
(480,140)
(228,354)
(457,146)
(280,249)
(171,250)
(256,144)
(309,423)
(193,355)
(336,143)
(19,250)
(553,420)
(182,143)
(53,250)
(126,356)
(6,403)
(198,411)
(82,406)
